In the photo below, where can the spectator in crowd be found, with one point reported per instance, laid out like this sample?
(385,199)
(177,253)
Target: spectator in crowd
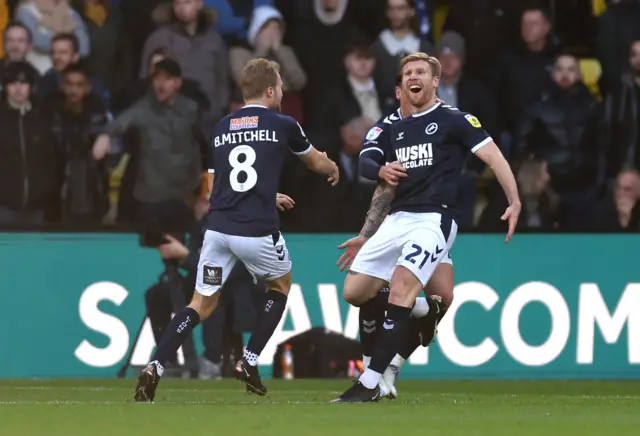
(27,156)
(45,19)
(618,28)
(565,128)
(109,52)
(319,31)
(234,17)
(523,73)
(199,50)
(357,95)
(622,108)
(264,38)
(190,88)
(16,43)
(539,204)
(78,117)
(395,42)
(169,161)
(488,26)
(620,212)
(459,90)
(64,52)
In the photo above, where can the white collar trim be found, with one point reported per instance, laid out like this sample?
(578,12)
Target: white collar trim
(431,109)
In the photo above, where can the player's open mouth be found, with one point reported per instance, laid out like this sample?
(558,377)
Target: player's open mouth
(415,88)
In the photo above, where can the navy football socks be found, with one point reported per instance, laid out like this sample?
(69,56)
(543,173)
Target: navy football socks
(178,330)
(266,324)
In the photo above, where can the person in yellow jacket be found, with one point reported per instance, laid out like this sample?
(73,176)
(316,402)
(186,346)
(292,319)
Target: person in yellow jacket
(4,20)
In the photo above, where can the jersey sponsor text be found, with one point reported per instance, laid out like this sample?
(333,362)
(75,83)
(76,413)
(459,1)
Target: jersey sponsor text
(415,156)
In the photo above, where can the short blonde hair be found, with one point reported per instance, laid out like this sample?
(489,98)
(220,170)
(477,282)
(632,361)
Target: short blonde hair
(433,62)
(257,76)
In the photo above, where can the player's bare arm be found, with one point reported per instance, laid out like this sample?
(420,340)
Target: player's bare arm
(379,209)
(320,163)
(492,156)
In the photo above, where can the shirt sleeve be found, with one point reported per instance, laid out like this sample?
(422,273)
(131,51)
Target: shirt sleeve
(298,142)
(374,152)
(470,132)
(376,145)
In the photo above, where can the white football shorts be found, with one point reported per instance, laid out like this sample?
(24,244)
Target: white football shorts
(416,241)
(265,257)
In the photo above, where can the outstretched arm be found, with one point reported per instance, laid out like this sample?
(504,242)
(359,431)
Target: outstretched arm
(380,206)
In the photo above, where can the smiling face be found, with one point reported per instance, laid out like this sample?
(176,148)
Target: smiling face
(419,82)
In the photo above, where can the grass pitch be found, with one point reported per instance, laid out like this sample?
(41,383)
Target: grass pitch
(425,407)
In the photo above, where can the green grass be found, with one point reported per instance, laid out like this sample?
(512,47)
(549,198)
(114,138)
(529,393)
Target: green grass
(292,408)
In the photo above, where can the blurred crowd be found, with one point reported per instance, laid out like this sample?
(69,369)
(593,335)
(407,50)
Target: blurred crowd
(107,104)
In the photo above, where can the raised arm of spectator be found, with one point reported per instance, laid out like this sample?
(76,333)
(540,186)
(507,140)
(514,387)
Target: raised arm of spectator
(118,127)
(292,73)
(41,36)
(238,58)
(82,34)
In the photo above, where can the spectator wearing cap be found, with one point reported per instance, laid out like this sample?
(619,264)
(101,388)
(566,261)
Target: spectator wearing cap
(395,42)
(169,163)
(264,37)
(45,19)
(187,32)
(467,94)
(27,163)
(16,44)
(78,117)
(190,88)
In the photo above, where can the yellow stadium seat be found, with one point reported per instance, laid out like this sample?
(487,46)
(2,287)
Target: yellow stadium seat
(591,71)
(439,18)
(598,7)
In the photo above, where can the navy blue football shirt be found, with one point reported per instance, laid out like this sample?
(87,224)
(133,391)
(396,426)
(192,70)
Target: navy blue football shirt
(431,146)
(246,155)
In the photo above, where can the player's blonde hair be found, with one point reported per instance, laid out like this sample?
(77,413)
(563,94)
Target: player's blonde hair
(433,62)
(257,76)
